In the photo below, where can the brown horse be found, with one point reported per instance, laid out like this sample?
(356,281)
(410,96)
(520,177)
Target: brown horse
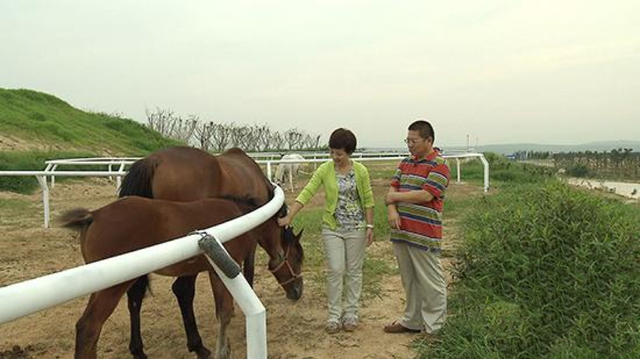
(133,223)
(187,174)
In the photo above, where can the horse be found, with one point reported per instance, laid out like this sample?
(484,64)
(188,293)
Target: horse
(289,170)
(132,223)
(189,174)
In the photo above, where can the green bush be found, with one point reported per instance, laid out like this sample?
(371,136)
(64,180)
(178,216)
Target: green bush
(502,170)
(578,170)
(546,271)
(30,161)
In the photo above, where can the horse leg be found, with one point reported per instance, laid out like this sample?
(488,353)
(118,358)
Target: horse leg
(184,289)
(224,312)
(291,178)
(135,295)
(101,305)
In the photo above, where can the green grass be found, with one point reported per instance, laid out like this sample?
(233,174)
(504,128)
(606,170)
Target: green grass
(38,117)
(48,122)
(13,209)
(30,161)
(502,172)
(545,271)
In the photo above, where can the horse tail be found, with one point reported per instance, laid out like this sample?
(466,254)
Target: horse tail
(248,268)
(80,219)
(137,182)
(77,219)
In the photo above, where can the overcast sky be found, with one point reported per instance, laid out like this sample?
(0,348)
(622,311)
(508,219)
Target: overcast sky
(501,71)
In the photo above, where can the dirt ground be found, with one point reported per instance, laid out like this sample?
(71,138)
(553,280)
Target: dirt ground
(295,329)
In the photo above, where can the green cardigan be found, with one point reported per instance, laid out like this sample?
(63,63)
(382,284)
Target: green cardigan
(325,175)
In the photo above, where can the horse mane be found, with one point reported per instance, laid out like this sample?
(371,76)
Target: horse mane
(246,200)
(252,203)
(137,182)
(268,184)
(291,239)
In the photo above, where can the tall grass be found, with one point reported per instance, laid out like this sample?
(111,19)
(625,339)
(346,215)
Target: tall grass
(545,271)
(501,171)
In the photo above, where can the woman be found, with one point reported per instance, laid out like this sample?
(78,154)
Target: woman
(347,227)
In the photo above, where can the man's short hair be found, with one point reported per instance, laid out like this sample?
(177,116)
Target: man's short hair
(343,139)
(424,128)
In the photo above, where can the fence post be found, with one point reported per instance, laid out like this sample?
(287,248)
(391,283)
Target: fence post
(248,301)
(42,180)
(486,172)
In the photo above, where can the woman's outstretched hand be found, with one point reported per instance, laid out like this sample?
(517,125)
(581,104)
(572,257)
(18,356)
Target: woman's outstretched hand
(284,221)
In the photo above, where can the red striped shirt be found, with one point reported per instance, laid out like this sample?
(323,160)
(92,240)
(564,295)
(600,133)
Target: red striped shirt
(421,223)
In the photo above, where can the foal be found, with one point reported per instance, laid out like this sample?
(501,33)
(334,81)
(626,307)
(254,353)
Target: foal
(132,223)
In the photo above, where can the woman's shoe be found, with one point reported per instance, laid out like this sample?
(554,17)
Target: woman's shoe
(332,327)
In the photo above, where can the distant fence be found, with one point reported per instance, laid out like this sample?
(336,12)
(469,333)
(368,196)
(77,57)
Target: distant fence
(51,170)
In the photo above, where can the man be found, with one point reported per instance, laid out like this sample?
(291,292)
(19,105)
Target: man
(414,204)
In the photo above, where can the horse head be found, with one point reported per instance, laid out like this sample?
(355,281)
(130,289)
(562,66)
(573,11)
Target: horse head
(286,263)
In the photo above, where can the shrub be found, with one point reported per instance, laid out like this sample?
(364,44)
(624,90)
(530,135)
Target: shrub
(546,271)
(29,161)
(578,170)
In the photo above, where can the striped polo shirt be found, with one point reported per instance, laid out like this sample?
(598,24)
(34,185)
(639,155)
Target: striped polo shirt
(421,223)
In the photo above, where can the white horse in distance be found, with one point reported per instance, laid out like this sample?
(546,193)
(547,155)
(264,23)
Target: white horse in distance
(288,170)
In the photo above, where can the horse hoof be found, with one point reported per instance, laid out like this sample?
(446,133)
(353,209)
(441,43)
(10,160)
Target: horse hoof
(203,353)
(138,354)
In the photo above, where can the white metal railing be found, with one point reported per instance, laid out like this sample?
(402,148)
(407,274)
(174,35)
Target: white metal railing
(41,176)
(24,298)
(457,157)
(316,155)
(121,162)
(51,171)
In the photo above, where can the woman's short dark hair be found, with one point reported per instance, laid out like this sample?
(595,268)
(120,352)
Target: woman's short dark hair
(343,139)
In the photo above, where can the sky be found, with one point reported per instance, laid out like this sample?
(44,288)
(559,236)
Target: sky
(494,71)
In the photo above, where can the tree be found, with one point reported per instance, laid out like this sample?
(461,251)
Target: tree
(293,137)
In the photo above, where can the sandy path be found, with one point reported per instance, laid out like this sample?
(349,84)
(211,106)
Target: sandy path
(295,330)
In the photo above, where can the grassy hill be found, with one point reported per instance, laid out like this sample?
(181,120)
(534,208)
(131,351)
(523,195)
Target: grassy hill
(35,127)
(31,120)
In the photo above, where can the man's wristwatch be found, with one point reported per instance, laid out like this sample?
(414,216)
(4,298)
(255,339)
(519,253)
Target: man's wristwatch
(369,225)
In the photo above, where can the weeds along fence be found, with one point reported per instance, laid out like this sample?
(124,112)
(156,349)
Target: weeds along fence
(24,298)
(116,168)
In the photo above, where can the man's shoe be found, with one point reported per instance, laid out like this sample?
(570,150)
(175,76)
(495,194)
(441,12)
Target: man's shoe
(396,327)
(350,324)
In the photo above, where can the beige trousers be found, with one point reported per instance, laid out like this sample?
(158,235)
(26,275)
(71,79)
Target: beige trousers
(425,287)
(344,254)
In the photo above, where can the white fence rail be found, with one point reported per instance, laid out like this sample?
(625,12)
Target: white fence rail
(24,298)
(457,157)
(52,172)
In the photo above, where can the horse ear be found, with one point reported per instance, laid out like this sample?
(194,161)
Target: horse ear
(299,235)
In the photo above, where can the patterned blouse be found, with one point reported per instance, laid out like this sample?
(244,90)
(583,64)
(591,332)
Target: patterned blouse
(349,214)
